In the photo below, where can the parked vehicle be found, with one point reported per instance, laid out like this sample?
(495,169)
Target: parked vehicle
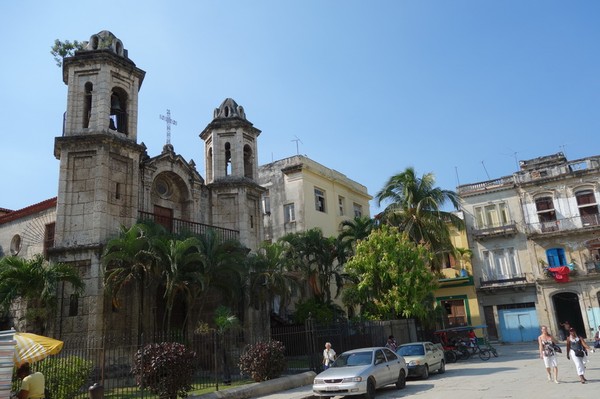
(422,358)
(361,372)
(459,346)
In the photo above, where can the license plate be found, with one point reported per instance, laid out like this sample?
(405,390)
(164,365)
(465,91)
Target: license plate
(332,388)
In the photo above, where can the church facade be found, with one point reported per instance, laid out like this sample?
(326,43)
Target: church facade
(108,180)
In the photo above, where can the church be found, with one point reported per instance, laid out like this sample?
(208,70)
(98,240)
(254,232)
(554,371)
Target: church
(108,180)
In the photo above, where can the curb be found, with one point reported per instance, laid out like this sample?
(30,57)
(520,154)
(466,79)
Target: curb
(262,388)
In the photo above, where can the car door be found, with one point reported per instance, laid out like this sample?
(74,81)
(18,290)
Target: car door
(433,356)
(394,363)
(382,369)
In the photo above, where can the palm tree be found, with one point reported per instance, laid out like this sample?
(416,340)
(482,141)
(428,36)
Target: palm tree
(35,281)
(180,263)
(221,267)
(354,230)
(462,255)
(130,259)
(316,258)
(415,206)
(270,275)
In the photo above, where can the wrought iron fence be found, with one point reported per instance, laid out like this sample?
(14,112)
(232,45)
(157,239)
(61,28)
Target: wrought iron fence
(108,361)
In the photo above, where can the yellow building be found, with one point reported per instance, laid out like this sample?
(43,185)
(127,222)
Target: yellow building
(456,293)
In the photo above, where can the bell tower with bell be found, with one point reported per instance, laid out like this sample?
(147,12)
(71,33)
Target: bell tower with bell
(99,158)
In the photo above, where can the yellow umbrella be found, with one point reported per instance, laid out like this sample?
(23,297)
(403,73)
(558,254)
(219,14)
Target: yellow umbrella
(31,348)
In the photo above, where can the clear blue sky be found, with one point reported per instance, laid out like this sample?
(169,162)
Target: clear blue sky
(369,87)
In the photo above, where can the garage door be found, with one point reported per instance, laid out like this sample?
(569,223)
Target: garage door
(518,325)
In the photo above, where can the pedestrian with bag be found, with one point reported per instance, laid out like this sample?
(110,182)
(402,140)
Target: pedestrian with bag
(547,345)
(577,351)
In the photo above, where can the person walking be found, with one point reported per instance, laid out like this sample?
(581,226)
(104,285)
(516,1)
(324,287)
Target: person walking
(32,385)
(576,349)
(328,355)
(546,344)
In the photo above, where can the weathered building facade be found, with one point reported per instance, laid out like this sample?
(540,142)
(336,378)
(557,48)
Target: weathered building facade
(302,194)
(544,216)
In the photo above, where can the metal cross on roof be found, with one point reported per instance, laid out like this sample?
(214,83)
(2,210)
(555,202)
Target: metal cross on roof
(169,123)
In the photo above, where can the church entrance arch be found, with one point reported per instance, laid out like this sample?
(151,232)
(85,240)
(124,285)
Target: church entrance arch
(566,308)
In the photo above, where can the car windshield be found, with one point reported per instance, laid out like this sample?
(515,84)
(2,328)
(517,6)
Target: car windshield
(354,359)
(411,350)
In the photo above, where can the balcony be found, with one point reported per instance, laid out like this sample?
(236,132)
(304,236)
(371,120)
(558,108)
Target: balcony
(494,231)
(588,222)
(477,188)
(492,283)
(174,225)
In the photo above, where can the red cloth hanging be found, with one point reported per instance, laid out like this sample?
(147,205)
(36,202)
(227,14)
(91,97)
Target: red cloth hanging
(561,273)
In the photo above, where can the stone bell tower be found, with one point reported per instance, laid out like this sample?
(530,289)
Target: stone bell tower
(99,162)
(231,161)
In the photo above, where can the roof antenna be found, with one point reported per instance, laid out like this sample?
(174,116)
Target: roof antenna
(486,172)
(297,140)
(457,180)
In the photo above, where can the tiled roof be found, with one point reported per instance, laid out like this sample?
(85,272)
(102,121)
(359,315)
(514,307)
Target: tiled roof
(30,210)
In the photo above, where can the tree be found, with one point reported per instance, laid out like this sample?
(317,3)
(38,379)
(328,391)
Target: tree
(415,207)
(356,229)
(316,257)
(35,281)
(391,275)
(61,49)
(271,276)
(180,262)
(130,259)
(221,267)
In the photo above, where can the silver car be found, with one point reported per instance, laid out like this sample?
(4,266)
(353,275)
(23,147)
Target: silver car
(361,372)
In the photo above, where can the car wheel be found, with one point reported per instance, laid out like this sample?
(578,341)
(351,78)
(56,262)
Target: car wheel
(370,394)
(442,368)
(425,374)
(401,382)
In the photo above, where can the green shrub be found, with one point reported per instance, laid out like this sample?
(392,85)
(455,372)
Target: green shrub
(166,369)
(65,376)
(263,361)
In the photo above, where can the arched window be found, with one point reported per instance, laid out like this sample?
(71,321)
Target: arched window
(227,159)
(209,165)
(588,208)
(87,104)
(248,162)
(118,110)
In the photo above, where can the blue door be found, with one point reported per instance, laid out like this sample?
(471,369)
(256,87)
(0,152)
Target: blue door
(518,325)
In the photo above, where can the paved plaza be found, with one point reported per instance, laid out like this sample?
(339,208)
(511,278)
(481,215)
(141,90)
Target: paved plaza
(517,373)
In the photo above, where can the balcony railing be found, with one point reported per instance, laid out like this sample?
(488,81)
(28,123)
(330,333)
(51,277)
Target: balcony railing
(495,231)
(503,280)
(503,182)
(558,170)
(566,224)
(174,225)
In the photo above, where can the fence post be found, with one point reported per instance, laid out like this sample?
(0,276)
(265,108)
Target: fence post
(142,365)
(311,344)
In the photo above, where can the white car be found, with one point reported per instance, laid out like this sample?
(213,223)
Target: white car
(361,372)
(422,358)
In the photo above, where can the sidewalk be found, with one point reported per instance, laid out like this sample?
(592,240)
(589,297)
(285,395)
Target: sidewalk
(297,386)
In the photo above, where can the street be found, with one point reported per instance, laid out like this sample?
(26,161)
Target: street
(518,372)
